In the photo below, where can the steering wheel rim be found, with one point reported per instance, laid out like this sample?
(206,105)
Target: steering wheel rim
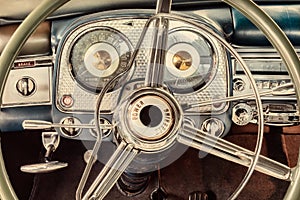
(246,7)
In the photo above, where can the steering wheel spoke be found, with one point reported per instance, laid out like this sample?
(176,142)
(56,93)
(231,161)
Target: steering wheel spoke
(155,70)
(152,99)
(206,142)
(111,172)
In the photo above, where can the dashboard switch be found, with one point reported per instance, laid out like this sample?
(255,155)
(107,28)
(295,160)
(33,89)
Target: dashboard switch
(238,84)
(67,101)
(213,126)
(242,114)
(70,131)
(26,86)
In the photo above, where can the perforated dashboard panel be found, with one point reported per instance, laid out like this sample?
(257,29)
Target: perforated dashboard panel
(84,100)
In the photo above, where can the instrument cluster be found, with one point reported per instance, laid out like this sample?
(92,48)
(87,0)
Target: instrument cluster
(92,52)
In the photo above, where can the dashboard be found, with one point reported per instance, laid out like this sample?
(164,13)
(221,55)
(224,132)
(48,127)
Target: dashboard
(98,50)
(151,91)
(77,56)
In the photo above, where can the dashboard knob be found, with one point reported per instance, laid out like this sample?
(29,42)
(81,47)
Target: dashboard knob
(238,84)
(26,86)
(242,114)
(213,126)
(70,131)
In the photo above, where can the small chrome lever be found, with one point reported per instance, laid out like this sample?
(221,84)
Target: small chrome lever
(43,167)
(39,125)
(284,90)
(50,141)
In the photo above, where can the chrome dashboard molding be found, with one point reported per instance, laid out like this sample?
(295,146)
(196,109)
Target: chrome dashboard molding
(267,55)
(79,25)
(40,70)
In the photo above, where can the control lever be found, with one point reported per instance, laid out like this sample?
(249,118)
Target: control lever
(39,124)
(50,141)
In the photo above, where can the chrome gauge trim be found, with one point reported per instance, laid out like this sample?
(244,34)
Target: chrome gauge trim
(109,60)
(65,81)
(202,54)
(95,46)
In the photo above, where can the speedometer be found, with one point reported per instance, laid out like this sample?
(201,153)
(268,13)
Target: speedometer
(97,56)
(191,60)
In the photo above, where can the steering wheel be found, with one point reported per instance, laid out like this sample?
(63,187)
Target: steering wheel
(132,140)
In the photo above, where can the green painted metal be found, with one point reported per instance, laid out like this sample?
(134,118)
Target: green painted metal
(7,58)
(247,7)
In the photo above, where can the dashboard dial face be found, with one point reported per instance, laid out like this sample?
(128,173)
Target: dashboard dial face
(99,55)
(190,61)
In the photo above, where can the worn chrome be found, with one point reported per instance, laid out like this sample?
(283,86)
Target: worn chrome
(219,147)
(282,90)
(250,10)
(106,127)
(26,86)
(257,99)
(242,114)
(113,169)
(146,137)
(50,141)
(160,143)
(43,167)
(38,91)
(40,61)
(213,126)
(39,124)
(218,85)
(238,84)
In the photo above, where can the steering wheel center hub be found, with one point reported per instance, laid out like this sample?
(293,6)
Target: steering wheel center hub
(151,118)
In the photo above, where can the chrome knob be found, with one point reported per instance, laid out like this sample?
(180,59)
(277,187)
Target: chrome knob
(43,167)
(238,85)
(213,126)
(26,86)
(242,114)
(71,131)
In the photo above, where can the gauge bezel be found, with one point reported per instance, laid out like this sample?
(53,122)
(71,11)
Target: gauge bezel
(87,86)
(209,77)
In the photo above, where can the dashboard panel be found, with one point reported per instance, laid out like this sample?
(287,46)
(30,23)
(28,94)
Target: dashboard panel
(76,70)
(95,49)
(78,65)
(207,60)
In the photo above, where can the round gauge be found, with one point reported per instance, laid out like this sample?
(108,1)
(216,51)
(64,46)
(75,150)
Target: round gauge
(190,61)
(99,55)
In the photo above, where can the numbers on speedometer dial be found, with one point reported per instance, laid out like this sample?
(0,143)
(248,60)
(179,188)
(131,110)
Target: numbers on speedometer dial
(99,55)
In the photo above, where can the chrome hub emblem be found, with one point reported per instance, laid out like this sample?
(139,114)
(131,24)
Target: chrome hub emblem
(149,119)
